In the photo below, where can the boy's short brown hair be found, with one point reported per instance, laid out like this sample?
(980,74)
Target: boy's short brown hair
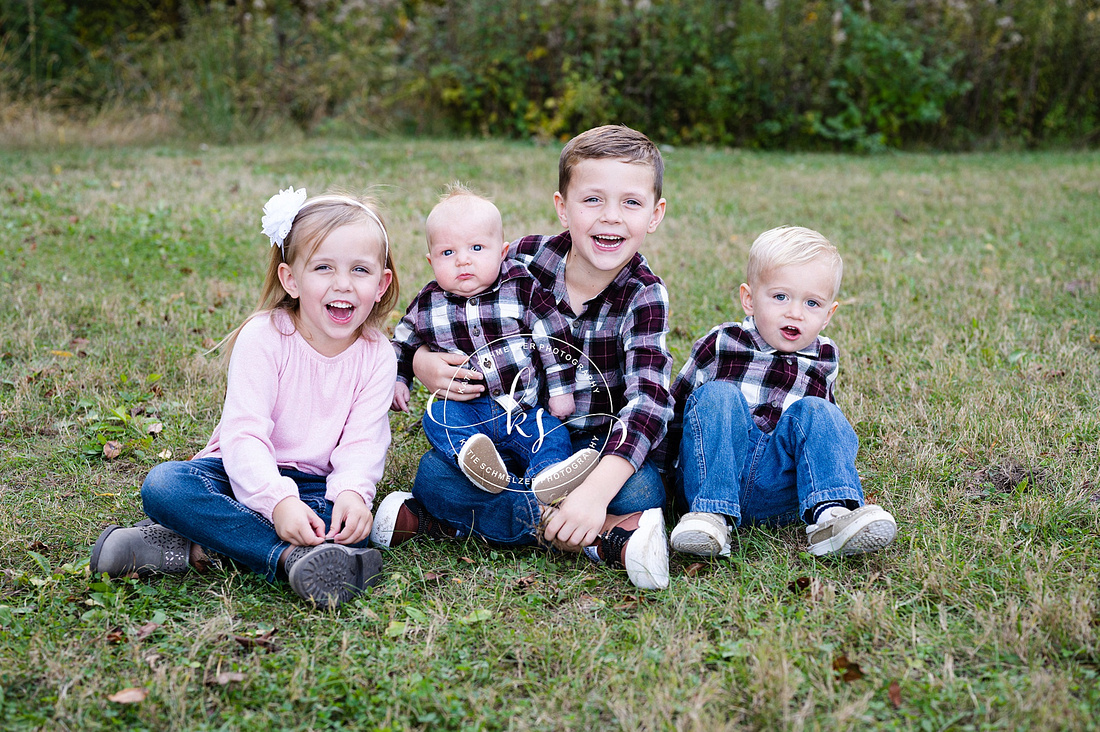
(617,142)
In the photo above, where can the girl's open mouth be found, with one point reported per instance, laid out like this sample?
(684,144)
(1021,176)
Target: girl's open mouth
(340,312)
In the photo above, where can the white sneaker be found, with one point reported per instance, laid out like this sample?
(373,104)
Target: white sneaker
(840,531)
(646,554)
(703,534)
(642,552)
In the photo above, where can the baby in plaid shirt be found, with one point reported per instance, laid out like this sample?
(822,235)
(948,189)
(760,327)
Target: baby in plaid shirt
(609,200)
(760,437)
(492,312)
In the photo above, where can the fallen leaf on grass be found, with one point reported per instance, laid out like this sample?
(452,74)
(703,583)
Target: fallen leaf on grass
(847,670)
(154,428)
(799,584)
(431,576)
(894,692)
(260,641)
(630,602)
(165,454)
(813,587)
(132,695)
(146,630)
(225,678)
(524,582)
(37,546)
(115,635)
(694,568)
(468,560)
(112,449)
(61,354)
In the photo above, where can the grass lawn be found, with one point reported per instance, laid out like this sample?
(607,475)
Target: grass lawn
(970,340)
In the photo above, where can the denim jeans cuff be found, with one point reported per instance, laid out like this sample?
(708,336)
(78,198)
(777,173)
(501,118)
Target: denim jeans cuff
(724,508)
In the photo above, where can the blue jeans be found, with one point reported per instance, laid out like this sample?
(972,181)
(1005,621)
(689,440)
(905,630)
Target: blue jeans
(730,466)
(195,500)
(448,424)
(511,518)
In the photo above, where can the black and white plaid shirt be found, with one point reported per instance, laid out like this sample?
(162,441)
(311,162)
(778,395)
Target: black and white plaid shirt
(770,381)
(513,329)
(623,377)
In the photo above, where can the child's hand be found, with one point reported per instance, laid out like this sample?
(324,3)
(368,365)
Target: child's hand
(351,519)
(561,406)
(444,376)
(579,518)
(297,523)
(401,396)
(576,522)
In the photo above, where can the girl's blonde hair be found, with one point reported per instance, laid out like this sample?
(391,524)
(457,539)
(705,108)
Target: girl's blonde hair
(787,245)
(317,218)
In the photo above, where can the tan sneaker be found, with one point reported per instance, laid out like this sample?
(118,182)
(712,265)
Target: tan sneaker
(558,481)
(840,531)
(481,463)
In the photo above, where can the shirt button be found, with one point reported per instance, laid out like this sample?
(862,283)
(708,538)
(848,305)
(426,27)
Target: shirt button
(497,392)
(487,362)
(475,332)
(473,301)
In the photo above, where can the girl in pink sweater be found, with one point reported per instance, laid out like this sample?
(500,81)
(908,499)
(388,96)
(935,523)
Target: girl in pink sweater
(286,483)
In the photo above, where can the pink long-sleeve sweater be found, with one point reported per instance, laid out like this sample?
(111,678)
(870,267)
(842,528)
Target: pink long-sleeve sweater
(286,405)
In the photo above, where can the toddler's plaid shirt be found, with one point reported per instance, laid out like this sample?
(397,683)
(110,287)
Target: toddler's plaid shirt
(512,329)
(624,376)
(771,381)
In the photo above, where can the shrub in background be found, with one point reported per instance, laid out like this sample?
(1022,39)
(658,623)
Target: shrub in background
(833,74)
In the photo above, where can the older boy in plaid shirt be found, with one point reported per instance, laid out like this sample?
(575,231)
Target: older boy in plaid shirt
(492,311)
(762,438)
(609,199)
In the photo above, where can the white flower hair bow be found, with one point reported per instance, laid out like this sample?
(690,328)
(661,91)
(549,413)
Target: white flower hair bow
(279,213)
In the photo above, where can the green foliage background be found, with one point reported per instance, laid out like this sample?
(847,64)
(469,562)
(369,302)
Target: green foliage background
(811,74)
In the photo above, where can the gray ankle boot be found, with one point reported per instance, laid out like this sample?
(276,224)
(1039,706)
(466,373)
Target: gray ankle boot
(329,575)
(144,549)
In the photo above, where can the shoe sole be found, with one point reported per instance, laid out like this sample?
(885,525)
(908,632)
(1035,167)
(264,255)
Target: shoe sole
(474,475)
(333,574)
(554,493)
(698,541)
(860,538)
(646,555)
(385,518)
(93,565)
